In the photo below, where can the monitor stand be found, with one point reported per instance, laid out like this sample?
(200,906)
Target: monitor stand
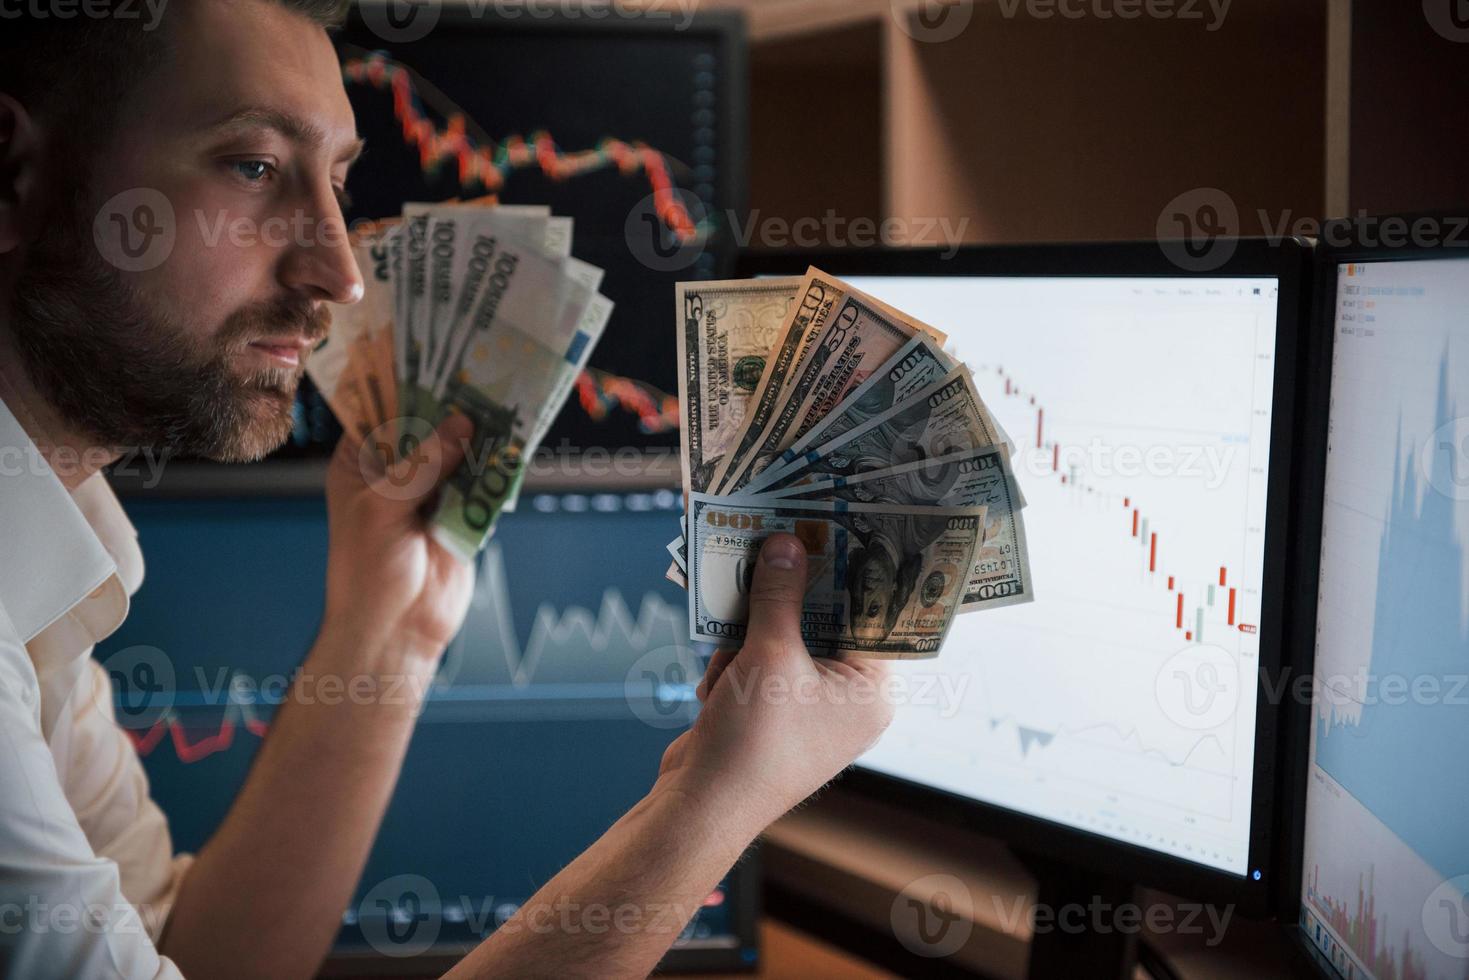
(1067,941)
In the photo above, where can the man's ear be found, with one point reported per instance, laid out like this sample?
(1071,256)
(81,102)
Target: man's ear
(20,170)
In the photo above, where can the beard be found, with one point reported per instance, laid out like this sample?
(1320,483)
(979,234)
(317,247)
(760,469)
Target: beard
(125,373)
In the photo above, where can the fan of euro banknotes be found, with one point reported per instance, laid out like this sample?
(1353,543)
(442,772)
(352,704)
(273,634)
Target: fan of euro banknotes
(812,408)
(474,308)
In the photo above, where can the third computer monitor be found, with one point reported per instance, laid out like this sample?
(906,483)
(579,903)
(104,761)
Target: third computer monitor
(1385,872)
(1146,410)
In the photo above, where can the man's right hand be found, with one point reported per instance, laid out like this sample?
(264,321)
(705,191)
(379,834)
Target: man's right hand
(777,723)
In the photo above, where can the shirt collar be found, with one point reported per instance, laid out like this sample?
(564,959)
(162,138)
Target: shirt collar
(52,556)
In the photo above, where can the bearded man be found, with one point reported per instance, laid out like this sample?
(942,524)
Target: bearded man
(126,133)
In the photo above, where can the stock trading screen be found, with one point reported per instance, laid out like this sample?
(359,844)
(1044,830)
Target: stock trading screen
(631,129)
(546,721)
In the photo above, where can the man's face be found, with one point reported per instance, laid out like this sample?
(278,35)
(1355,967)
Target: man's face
(245,130)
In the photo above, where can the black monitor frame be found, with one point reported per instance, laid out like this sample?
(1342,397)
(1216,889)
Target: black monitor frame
(1364,239)
(1288,260)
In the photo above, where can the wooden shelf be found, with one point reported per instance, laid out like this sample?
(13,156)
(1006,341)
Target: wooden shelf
(1023,128)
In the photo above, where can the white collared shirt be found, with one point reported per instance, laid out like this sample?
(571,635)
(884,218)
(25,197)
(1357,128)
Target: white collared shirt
(87,870)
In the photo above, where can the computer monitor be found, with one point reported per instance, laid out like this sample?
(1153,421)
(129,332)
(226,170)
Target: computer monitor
(546,722)
(1385,853)
(609,115)
(1116,721)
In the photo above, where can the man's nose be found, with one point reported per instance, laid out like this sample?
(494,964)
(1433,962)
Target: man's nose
(319,260)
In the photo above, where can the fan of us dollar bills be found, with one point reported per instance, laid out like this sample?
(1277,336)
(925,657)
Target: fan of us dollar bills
(472,308)
(812,408)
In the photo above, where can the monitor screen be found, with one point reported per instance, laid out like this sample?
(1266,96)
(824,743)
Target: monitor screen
(608,119)
(1121,701)
(546,722)
(1386,867)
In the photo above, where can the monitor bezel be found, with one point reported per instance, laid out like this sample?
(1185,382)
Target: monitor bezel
(1342,241)
(1287,260)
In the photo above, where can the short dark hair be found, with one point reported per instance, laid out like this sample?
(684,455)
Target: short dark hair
(72,74)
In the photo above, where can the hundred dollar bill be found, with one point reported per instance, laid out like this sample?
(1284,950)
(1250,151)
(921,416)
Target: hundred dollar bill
(884,581)
(946,417)
(1000,575)
(916,365)
(848,335)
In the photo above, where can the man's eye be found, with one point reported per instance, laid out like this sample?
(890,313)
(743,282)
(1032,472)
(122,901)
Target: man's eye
(253,170)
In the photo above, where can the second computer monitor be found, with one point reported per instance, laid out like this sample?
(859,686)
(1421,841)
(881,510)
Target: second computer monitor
(1150,419)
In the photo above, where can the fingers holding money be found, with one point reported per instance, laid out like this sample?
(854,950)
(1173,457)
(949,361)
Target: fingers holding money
(847,425)
(777,593)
